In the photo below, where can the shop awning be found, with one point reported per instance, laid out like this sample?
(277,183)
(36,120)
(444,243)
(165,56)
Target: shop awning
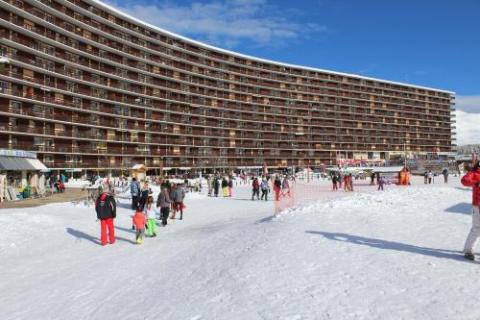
(37,164)
(20,164)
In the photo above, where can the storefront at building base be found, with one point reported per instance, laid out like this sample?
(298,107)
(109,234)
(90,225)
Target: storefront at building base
(20,175)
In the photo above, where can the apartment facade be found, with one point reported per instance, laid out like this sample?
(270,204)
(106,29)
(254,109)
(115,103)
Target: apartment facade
(88,87)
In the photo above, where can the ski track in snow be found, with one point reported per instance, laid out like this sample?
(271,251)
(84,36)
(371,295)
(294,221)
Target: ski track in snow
(363,255)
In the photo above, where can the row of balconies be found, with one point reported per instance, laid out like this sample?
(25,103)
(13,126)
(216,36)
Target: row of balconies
(185,128)
(88,91)
(137,90)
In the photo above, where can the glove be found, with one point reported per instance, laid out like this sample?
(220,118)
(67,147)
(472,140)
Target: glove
(133,227)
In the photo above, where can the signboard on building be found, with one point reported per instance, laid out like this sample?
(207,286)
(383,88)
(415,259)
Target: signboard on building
(17,153)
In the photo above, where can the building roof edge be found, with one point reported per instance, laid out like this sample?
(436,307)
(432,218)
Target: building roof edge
(207,46)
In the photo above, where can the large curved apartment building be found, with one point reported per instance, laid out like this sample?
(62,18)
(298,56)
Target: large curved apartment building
(86,86)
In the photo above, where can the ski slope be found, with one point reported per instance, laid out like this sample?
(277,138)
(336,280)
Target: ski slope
(362,255)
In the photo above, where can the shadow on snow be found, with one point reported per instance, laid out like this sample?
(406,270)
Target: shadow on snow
(391,245)
(462,207)
(82,235)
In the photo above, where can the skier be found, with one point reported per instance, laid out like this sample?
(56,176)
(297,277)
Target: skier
(430,176)
(138,221)
(135,192)
(472,179)
(255,189)
(106,209)
(151,215)
(178,194)
(265,188)
(163,202)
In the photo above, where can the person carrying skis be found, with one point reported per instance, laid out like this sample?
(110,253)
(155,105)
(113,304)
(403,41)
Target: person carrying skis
(138,222)
(163,202)
(106,209)
(472,179)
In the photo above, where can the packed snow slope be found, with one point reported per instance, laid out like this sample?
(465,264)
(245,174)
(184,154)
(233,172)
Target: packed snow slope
(362,255)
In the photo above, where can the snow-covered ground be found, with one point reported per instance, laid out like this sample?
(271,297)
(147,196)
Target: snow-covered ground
(362,255)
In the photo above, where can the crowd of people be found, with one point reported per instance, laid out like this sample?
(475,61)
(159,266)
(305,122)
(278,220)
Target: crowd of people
(170,201)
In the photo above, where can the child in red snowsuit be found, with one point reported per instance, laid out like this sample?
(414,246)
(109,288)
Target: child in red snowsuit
(138,222)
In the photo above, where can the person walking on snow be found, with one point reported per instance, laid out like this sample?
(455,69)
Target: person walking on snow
(216,186)
(334,182)
(163,202)
(265,189)
(285,187)
(210,185)
(138,222)
(151,215)
(277,187)
(445,175)
(230,186)
(177,198)
(106,209)
(255,189)
(135,192)
(225,187)
(381,183)
(472,179)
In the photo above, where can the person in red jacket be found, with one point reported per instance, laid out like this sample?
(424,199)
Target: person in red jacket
(106,209)
(139,220)
(472,179)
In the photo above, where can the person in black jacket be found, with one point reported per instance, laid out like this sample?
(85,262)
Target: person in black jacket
(216,186)
(106,209)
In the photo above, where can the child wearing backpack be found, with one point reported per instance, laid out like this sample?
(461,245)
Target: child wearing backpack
(138,222)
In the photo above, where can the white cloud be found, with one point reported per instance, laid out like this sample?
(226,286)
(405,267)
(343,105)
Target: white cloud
(468,128)
(222,22)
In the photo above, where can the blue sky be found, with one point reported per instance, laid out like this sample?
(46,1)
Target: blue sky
(425,42)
